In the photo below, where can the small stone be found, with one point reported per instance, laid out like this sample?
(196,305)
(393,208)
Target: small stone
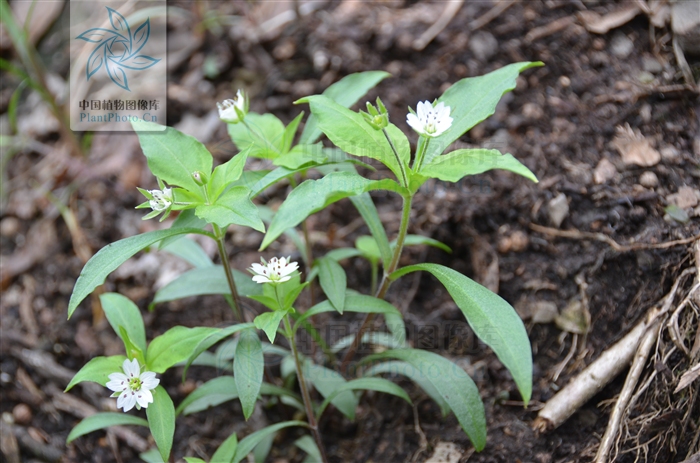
(621,46)
(10,226)
(670,153)
(648,179)
(604,171)
(483,45)
(515,242)
(558,209)
(22,414)
(532,111)
(564,81)
(651,64)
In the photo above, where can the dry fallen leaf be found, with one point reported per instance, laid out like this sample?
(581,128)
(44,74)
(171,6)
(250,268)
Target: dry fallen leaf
(688,377)
(575,318)
(634,147)
(604,171)
(685,197)
(445,452)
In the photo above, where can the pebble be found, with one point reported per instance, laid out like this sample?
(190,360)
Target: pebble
(515,242)
(621,46)
(9,226)
(648,179)
(483,45)
(22,414)
(558,209)
(650,64)
(604,171)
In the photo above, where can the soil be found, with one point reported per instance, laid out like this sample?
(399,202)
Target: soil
(560,121)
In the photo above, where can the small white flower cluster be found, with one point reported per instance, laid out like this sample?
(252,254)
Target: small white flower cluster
(429,120)
(275,271)
(233,111)
(162,199)
(132,387)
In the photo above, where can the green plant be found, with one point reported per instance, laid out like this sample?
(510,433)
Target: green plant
(210,200)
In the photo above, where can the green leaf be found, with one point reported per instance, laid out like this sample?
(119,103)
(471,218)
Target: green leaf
(366,304)
(271,178)
(193,460)
(120,311)
(269,322)
(186,219)
(174,346)
(333,282)
(225,174)
(213,392)
(206,280)
(226,450)
(248,368)
(367,245)
(161,421)
(151,456)
(351,133)
(326,381)
(101,421)
(232,207)
(377,338)
(346,92)
(173,156)
(365,206)
(308,445)
(302,156)
(394,367)
(98,370)
(493,320)
(112,256)
(249,442)
(454,386)
(452,167)
(370,384)
(189,251)
(264,138)
(289,133)
(212,339)
(472,100)
(417,240)
(314,195)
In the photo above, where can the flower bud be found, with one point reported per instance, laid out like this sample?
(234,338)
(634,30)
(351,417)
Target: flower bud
(234,111)
(200,178)
(377,118)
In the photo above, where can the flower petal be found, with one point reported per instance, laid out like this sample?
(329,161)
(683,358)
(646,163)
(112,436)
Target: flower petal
(131,368)
(415,123)
(261,279)
(117,385)
(144,397)
(149,380)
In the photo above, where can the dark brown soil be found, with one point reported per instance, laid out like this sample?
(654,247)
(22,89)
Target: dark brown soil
(560,121)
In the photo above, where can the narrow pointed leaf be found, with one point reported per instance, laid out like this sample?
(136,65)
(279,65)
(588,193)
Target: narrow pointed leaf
(265,140)
(121,312)
(453,384)
(173,156)
(452,167)
(246,445)
(248,368)
(189,251)
(112,256)
(333,282)
(346,92)
(365,206)
(493,320)
(174,346)
(161,421)
(206,280)
(326,381)
(98,370)
(102,421)
(314,195)
(227,450)
(472,100)
(213,392)
(210,340)
(369,384)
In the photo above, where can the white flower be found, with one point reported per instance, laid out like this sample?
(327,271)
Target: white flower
(275,271)
(161,199)
(132,387)
(428,120)
(233,111)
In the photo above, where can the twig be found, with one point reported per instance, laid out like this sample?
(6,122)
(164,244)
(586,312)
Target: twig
(451,8)
(590,381)
(640,360)
(576,234)
(490,15)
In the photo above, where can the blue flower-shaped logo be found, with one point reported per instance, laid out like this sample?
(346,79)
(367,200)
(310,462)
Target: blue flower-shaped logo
(118,49)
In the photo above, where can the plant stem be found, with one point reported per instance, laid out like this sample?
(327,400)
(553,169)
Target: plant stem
(398,159)
(421,154)
(384,287)
(313,424)
(229,274)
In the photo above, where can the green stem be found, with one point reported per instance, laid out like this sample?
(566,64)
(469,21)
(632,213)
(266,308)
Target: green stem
(313,424)
(375,276)
(219,234)
(398,159)
(418,162)
(384,287)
